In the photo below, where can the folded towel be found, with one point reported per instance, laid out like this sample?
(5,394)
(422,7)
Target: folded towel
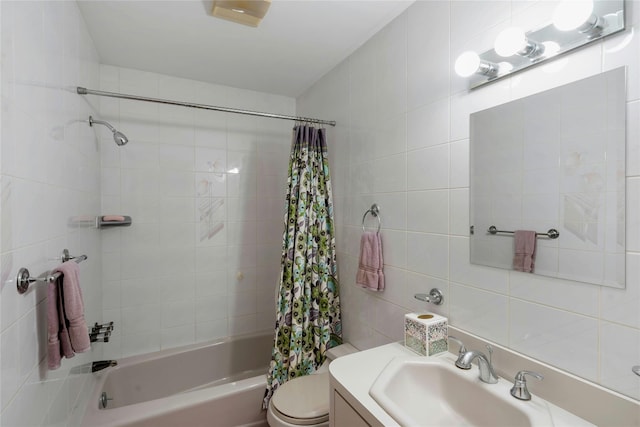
(524,250)
(67,331)
(53,326)
(370,274)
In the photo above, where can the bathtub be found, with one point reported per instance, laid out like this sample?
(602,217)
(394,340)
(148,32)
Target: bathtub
(219,383)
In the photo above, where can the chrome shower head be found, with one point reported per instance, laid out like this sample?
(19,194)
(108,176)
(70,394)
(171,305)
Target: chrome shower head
(119,138)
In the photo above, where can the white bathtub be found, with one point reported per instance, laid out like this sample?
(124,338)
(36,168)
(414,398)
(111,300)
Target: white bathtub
(216,384)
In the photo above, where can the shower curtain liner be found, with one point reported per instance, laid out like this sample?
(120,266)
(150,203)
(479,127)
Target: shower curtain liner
(308,308)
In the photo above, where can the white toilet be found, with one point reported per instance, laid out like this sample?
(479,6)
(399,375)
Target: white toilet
(304,401)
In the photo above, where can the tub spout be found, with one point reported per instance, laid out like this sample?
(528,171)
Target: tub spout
(102,364)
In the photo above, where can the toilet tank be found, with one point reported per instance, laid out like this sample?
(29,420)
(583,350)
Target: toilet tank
(339,351)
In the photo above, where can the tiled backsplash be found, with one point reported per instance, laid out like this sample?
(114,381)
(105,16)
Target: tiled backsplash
(206,192)
(402,142)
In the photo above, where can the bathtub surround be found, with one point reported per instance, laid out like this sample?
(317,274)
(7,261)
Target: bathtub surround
(402,142)
(308,320)
(49,173)
(205,191)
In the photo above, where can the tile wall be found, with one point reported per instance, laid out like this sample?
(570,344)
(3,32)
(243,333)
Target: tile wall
(49,173)
(402,141)
(206,192)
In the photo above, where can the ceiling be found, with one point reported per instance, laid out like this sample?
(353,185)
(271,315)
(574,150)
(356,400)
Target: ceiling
(297,42)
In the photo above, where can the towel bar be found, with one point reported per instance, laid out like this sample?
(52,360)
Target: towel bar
(552,233)
(24,279)
(375,211)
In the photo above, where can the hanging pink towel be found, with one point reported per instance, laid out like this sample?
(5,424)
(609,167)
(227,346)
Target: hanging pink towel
(67,329)
(525,250)
(53,326)
(370,274)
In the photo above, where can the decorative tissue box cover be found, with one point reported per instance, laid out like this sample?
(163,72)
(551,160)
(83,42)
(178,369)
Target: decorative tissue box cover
(426,333)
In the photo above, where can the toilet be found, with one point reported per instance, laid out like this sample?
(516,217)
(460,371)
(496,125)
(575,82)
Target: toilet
(304,401)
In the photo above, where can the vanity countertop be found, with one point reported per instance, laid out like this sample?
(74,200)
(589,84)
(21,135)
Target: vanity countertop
(356,373)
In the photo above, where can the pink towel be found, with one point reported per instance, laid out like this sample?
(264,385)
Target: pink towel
(525,250)
(53,326)
(370,275)
(67,329)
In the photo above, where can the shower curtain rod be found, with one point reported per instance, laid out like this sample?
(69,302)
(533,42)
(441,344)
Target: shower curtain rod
(85,91)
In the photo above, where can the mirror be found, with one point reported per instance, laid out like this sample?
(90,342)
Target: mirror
(553,161)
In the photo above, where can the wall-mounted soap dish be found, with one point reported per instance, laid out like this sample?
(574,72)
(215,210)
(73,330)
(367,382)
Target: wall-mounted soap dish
(107,221)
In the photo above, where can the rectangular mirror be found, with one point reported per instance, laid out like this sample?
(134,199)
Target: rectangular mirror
(553,161)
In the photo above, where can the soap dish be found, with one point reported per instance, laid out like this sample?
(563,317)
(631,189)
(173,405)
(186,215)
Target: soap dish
(116,221)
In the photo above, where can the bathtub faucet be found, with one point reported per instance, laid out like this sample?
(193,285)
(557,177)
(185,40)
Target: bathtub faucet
(99,365)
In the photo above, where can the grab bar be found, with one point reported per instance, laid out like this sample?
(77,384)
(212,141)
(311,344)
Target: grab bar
(552,233)
(24,279)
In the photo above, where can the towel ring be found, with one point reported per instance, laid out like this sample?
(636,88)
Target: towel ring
(375,211)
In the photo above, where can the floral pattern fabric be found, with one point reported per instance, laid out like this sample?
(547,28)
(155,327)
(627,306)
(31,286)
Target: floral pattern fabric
(308,309)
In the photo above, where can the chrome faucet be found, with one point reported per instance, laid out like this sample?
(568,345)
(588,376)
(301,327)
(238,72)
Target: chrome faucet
(487,374)
(462,350)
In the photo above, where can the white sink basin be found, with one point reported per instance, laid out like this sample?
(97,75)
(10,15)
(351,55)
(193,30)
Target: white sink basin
(433,392)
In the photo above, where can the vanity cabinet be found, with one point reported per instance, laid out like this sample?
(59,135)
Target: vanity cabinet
(343,414)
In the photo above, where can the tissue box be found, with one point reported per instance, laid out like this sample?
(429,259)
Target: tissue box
(426,334)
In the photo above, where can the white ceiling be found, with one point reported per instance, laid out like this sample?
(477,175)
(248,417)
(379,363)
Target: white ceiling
(297,42)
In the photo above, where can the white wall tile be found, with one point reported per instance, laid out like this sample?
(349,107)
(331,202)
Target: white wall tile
(428,125)
(459,209)
(462,271)
(428,168)
(479,312)
(428,211)
(427,56)
(619,351)
(632,214)
(621,305)
(55,162)
(554,335)
(623,50)
(427,254)
(572,296)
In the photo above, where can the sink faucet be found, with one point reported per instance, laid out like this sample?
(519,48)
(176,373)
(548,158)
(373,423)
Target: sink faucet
(487,374)
(462,350)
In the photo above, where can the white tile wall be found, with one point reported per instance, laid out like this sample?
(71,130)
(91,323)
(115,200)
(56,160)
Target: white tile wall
(584,329)
(171,278)
(49,172)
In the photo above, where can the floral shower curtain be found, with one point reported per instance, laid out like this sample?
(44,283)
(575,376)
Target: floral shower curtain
(308,309)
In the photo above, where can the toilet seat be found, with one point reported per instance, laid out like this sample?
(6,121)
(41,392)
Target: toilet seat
(299,421)
(303,401)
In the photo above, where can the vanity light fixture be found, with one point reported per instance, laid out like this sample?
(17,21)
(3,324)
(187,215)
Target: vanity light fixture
(574,23)
(577,15)
(469,63)
(513,41)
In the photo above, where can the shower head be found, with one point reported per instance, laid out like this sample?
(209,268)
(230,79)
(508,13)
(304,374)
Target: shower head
(118,136)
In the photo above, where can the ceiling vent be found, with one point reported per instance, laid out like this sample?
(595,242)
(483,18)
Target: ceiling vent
(245,12)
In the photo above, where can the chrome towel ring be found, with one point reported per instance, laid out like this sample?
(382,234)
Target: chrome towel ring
(375,211)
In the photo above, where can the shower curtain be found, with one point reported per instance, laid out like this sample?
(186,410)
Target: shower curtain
(308,308)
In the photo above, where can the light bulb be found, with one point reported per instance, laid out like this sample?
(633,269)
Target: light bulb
(570,14)
(510,41)
(467,64)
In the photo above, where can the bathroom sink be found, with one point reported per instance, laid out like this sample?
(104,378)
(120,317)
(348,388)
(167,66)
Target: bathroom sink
(433,392)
